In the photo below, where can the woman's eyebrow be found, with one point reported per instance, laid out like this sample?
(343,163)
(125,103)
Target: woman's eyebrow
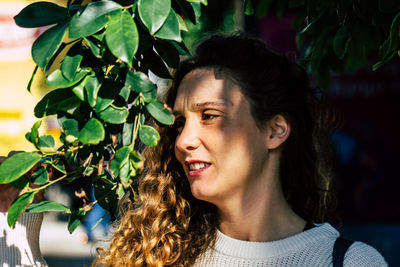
(200,105)
(220,104)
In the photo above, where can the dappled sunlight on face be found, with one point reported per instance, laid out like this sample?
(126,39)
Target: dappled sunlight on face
(220,147)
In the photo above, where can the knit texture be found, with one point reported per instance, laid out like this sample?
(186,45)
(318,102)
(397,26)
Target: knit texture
(20,246)
(310,248)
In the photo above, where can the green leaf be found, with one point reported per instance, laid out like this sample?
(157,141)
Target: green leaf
(148,135)
(122,36)
(45,47)
(35,134)
(54,101)
(31,79)
(106,195)
(127,132)
(94,46)
(79,89)
(159,112)
(92,133)
(71,130)
(92,19)
(139,82)
(181,48)
(58,165)
(113,114)
(57,80)
(92,86)
(248,7)
(341,41)
(72,60)
(41,14)
(153,13)
(357,56)
(197,10)
(120,161)
(40,176)
(47,143)
(182,24)
(170,29)
(47,206)
(75,219)
(392,42)
(18,207)
(17,165)
(106,96)
(21,183)
(204,2)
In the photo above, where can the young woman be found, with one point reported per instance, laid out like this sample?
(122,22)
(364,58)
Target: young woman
(241,179)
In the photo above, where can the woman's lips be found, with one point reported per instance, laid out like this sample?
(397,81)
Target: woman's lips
(195,167)
(198,171)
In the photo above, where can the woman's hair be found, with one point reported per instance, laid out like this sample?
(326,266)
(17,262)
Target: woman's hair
(166,225)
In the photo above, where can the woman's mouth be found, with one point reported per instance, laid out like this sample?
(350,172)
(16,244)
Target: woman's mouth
(195,168)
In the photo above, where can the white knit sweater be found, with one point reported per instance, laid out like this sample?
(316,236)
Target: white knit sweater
(19,247)
(311,248)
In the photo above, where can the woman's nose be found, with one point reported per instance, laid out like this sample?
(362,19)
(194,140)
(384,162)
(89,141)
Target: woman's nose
(188,139)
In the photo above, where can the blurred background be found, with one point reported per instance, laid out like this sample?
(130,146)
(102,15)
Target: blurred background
(364,104)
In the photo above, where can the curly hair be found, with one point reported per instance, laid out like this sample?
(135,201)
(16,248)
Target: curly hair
(166,225)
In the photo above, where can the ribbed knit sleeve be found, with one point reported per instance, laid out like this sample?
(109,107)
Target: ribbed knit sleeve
(20,246)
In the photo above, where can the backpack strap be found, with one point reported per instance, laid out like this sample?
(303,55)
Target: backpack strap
(339,250)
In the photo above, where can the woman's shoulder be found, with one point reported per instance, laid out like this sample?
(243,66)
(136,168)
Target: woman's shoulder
(361,254)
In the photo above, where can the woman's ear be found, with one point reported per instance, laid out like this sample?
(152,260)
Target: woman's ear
(278,130)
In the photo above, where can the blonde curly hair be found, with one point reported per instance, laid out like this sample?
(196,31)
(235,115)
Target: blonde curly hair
(165,225)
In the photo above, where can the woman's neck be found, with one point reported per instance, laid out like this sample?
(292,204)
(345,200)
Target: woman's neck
(261,215)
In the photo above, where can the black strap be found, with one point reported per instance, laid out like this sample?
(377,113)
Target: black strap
(339,250)
(308,226)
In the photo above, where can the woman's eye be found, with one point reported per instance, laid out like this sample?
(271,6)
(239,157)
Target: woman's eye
(208,116)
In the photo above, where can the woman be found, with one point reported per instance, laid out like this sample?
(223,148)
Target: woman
(240,179)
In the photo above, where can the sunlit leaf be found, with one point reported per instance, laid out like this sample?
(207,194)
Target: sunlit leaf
(19,206)
(35,133)
(40,176)
(57,80)
(45,47)
(92,86)
(139,82)
(159,112)
(92,133)
(122,36)
(170,29)
(113,114)
(47,143)
(148,135)
(17,165)
(72,60)
(92,18)
(153,13)
(47,206)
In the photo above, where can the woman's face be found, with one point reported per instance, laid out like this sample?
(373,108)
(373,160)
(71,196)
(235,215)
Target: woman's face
(221,149)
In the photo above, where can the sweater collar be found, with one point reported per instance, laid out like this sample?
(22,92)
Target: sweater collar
(261,250)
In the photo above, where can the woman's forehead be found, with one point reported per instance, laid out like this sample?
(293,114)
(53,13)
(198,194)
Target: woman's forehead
(203,85)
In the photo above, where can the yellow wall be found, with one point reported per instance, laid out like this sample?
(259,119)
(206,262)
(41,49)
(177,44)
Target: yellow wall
(16,66)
